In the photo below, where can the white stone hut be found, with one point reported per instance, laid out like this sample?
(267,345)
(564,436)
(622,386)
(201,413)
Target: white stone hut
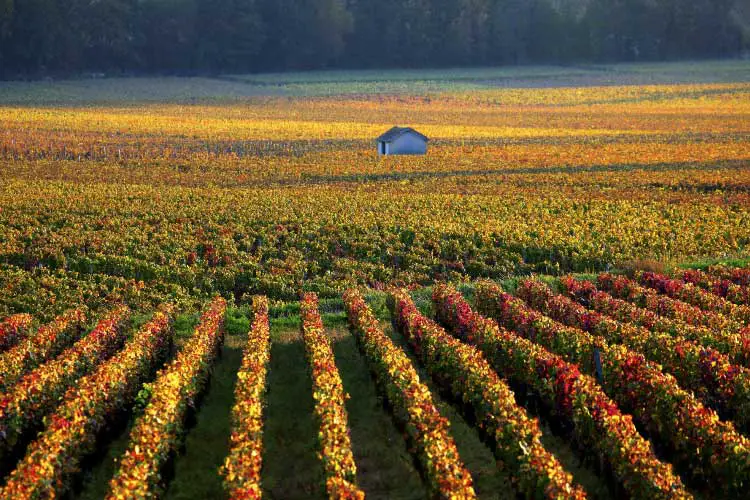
(402,141)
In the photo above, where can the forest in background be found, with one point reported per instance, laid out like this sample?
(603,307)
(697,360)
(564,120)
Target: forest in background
(63,37)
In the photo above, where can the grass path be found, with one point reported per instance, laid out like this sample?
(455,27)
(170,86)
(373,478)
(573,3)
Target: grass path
(207,442)
(489,481)
(385,469)
(291,469)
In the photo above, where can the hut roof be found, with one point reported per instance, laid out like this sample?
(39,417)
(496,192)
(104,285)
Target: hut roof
(396,132)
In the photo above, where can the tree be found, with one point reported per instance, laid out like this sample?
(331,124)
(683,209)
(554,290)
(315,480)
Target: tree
(6,16)
(547,34)
(230,34)
(408,34)
(166,34)
(334,23)
(510,34)
(611,30)
(466,31)
(307,33)
(35,40)
(66,36)
(704,28)
(365,42)
(104,32)
(741,19)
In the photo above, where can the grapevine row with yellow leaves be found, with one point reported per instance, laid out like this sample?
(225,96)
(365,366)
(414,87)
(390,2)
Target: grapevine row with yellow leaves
(85,410)
(38,392)
(242,466)
(156,432)
(43,344)
(597,421)
(412,404)
(328,393)
(466,373)
(698,438)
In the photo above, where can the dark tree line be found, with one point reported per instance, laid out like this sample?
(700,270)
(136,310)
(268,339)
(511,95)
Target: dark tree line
(201,36)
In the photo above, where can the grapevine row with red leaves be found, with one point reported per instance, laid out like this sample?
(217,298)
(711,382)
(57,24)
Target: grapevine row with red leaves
(466,373)
(85,410)
(703,370)
(623,288)
(242,466)
(157,431)
(13,329)
(45,343)
(412,404)
(597,421)
(687,292)
(734,345)
(329,395)
(698,438)
(737,275)
(38,392)
(737,294)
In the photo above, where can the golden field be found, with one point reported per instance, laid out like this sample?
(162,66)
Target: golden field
(275,193)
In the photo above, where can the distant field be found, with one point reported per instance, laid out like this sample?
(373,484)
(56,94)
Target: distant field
(145,191)
(227,88)
(267,194)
